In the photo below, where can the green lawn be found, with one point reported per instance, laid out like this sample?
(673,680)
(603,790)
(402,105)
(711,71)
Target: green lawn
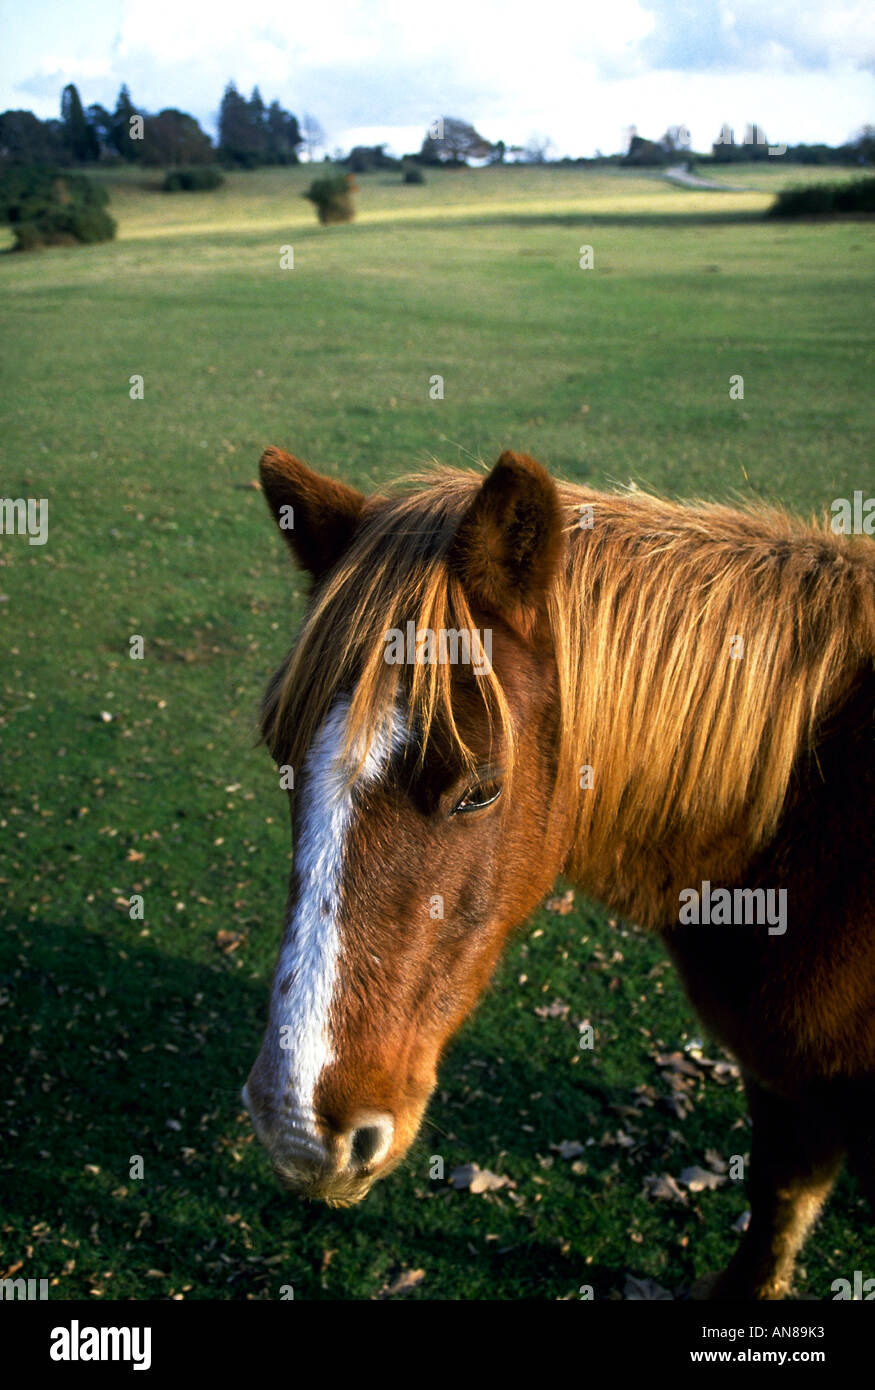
(767,175)
(124,1038)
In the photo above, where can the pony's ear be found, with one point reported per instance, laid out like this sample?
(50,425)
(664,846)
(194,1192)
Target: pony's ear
(509,543)
(316,515)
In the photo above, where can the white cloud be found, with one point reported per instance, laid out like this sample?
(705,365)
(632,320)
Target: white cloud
(581,73)
(779,36)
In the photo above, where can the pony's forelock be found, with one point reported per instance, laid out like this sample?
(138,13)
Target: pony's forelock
(396,570)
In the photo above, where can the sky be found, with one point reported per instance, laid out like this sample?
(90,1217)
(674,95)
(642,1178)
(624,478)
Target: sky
(576,72)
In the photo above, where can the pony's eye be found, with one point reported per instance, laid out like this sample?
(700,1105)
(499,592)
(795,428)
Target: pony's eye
(476,797)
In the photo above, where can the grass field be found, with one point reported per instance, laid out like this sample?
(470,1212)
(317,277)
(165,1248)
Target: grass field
(123,1038)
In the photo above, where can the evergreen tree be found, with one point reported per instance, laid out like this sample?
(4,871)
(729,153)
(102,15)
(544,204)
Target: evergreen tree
(100,122)
(121,127)
(236,135)
(250,133)
(258,125)
(79,137)
(283,135)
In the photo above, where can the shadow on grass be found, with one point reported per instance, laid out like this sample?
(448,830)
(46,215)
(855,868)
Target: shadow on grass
(644,220)
(114,1049)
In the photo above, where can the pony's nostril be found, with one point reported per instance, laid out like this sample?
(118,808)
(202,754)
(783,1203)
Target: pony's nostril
(366,1143)
(370,1141)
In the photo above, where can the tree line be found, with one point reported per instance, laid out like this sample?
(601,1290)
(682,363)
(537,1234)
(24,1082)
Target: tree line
(251,133)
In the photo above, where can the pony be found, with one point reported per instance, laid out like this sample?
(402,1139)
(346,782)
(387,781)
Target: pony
(679,699)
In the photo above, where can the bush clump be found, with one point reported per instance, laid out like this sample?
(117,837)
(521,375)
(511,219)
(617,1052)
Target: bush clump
(362,159)
(413,174)
(812,199)
(202,179)
(332,197)
(50,207)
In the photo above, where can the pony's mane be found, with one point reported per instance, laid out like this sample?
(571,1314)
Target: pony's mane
(683,726)
(693,736)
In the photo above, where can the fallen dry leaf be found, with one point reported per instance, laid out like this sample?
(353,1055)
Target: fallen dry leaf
(408,1279)
(636,1289)
(723,1071)
(228,941)
(472,1177)
(569,1148)
(561,905)
(700,1179)
(555,1010)
(620,1140)
(676,1062)
(679,1104)
(663,1188)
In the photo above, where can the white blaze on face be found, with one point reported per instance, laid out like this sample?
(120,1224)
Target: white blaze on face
(307,973)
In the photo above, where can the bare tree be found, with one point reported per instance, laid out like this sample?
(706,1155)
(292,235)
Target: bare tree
(863,144)
(313,135)
(676,139)
(538,149)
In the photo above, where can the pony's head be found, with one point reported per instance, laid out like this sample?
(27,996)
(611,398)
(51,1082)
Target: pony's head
(417,723)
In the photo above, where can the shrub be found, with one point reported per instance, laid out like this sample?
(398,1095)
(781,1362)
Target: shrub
(857,196)
(46,207)
(645,152)
(414,175)
(332,197)
(201,179)
(27,238)
(363,158)
(811,199)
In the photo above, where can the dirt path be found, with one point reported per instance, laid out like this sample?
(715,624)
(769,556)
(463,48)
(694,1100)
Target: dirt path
(678,174)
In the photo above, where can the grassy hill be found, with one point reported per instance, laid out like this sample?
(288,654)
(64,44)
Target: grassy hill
(126,1038)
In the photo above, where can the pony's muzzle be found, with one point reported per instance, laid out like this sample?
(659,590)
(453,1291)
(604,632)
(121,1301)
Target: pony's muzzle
(336,1166)
(347,1166)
